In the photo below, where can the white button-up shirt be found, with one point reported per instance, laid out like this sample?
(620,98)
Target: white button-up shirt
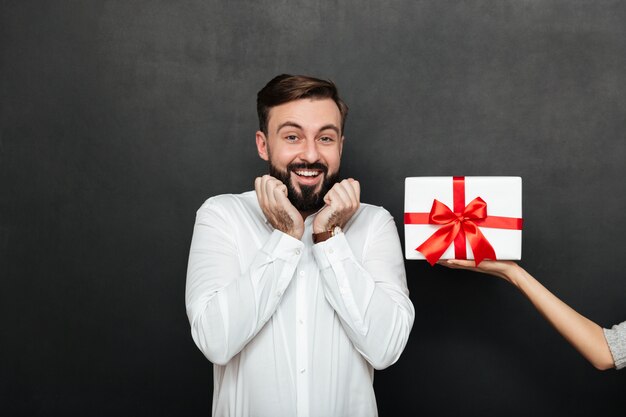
(293,328)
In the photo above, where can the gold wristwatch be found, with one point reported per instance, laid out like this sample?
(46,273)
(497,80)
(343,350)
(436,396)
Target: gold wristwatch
(320,237)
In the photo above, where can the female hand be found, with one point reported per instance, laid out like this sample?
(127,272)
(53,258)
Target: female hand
(503,269)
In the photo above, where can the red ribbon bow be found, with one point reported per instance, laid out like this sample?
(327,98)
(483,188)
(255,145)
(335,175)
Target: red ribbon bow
(454,225)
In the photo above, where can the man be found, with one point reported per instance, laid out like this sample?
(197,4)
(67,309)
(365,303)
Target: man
(296,291)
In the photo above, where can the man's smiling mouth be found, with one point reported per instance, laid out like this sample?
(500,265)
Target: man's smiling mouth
(307,173)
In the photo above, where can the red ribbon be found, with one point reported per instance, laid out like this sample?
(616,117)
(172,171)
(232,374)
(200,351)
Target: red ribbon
(459,225)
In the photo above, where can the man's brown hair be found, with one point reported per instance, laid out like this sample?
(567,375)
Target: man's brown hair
(285,88)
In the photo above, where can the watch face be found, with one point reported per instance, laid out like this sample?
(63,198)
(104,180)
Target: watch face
(336,230)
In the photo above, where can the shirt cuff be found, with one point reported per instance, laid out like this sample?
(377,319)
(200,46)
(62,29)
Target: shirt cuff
(280,245)
(332,250)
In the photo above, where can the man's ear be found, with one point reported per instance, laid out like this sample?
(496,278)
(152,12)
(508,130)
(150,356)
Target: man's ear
(261,145)
(341,146)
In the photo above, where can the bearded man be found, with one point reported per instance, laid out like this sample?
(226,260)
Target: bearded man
(296,292)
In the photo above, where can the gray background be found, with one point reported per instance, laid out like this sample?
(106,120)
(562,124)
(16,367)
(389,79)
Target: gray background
(119,118)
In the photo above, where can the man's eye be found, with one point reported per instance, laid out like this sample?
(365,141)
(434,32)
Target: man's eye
(326,139)
(291,138)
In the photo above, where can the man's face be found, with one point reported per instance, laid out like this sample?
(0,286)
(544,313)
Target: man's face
(303,147)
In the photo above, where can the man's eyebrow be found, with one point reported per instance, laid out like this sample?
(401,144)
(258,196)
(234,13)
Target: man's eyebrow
(331,127)
(297,126)
(291,124)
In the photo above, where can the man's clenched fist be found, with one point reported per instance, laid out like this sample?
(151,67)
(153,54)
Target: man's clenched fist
(342,201)
(272,196)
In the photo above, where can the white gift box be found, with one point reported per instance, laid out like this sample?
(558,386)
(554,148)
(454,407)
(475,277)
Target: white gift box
(501,227)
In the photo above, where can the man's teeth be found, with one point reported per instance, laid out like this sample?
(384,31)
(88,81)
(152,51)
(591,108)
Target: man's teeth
(307,173)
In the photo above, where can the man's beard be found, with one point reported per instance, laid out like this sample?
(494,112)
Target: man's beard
(306,199)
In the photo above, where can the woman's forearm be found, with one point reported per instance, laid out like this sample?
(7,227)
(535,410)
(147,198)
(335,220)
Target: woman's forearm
(585,335)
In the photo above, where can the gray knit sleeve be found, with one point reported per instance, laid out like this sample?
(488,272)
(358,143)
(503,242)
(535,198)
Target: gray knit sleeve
(616,338)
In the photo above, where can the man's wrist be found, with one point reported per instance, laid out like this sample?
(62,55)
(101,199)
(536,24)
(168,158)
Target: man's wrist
(318,230)
(296,234)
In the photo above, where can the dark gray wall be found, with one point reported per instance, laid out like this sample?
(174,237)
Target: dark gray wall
(120,118)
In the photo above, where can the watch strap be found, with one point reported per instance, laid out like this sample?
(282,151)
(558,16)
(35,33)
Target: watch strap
(321,237)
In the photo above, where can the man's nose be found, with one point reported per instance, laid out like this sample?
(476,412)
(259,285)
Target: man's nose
(309,152)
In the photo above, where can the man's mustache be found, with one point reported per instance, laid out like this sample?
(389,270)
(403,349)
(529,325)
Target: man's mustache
(303,165)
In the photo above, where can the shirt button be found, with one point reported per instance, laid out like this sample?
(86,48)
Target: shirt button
(298,251)
(279,293)
(301,273)
(330,251)
(301,321)
(302,370)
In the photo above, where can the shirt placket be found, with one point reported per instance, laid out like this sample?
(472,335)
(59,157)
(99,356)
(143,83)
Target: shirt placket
(302,342)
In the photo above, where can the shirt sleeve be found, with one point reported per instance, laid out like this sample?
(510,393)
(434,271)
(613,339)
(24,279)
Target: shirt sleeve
(226,306)
(616,339)
(370,297)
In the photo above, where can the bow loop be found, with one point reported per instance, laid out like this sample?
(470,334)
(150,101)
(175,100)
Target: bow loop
(440,213)
(476,209)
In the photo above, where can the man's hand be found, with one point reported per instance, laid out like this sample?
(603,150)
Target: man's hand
(272,196)
(342,201)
